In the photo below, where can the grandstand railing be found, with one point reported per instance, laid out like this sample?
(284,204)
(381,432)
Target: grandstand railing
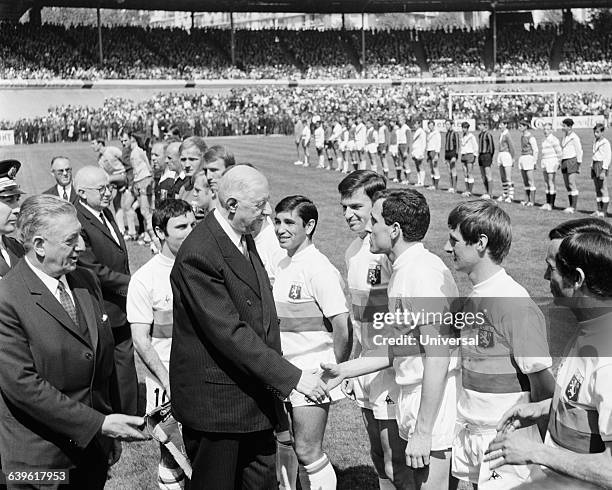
(229,83)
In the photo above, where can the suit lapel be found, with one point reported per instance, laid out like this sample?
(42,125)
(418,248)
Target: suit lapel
(262,279)
(83,299)
(234,259)
(111,219)
(98,224)
(47,301)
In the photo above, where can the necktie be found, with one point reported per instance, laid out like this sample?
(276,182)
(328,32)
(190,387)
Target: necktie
(67,303)
(65,195)
(244,247)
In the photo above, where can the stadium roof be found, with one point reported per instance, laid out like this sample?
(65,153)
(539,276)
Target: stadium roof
(13,9)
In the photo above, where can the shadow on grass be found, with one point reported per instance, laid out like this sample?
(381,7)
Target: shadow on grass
(357,477)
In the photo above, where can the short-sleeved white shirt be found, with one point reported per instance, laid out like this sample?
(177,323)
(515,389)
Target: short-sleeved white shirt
(269,249)
(513,324)
(307,292)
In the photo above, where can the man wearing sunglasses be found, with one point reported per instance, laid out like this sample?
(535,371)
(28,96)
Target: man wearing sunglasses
(61,169)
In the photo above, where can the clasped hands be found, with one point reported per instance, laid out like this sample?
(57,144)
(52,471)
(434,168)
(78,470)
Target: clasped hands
(316,384)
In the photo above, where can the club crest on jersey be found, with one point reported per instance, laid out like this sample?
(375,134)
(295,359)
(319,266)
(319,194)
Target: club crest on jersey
(389,400)
(374,275)
(295,291)
(573,387)
(485,338)
(495,475)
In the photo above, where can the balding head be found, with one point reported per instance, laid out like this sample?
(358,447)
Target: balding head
(91,183)
(173,161)
(244,198)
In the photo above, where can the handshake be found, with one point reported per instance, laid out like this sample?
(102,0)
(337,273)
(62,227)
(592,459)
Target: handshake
(316,384)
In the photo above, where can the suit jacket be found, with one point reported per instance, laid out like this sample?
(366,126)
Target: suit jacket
(73,193)
(227,373)
(108,260)
(57,383)
(15,251)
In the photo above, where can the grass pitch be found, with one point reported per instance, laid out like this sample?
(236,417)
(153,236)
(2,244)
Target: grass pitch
(346,440)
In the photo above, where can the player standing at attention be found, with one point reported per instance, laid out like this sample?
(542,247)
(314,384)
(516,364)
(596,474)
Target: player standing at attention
(298,127)
(149,311)
(505,160)
(315,328)
(434,143)
(319,140)
(393,151)
(508,361)
(468,152)
(602,155)
(383,145)
(452,145)
(343,141)
(527,162)
(551,159)
(571,159)
(372,144)
(360,143)
(351,145)
(426,370)
(367,280)
(402,146)
(330,147)
(306,135)
(486,150)
(419,144)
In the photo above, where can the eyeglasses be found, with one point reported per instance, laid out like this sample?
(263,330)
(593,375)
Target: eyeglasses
(102,190)
(63,171)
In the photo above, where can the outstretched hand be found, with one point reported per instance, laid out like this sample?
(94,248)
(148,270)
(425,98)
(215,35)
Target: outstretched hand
(332,375)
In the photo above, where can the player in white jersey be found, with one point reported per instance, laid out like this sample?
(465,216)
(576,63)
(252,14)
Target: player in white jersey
(371,139)
(551,159)
(527,162)
(421,292)
(315,329)
(360,142)
(468,156)
(403,134)
(319,140)
(571,159)
(306,135)
(343,146)
(367,279)
(434,144)
(505,160)
(351,145)
(577,453)
(419,144)
(298,127)
(508,361)
(149,311)
(602,154)
(383,145)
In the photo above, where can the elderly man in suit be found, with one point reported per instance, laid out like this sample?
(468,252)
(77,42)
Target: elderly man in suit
(61,169)
(10,193)
(57,379)
(227,374)
(106,255)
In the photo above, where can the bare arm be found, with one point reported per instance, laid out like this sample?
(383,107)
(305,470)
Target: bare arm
(343,333)
(144,347)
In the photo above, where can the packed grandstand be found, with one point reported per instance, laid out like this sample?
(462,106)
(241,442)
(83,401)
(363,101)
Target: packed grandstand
(53,51)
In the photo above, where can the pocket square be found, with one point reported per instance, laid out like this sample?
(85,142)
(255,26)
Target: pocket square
(104,318)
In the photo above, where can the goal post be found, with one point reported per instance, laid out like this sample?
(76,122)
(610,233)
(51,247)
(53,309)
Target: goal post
(452,96)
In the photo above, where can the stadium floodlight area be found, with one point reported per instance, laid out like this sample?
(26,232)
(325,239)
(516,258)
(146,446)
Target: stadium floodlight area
(553,96)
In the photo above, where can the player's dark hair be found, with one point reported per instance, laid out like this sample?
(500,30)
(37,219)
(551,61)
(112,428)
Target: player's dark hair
(371,182)
(139,138)
(580,225)
(568,122)
(592,253)
(166,209)
(409,209)
(304,208)
(100,141)
(599,127)
(475,218)
(465,125)
(220,152)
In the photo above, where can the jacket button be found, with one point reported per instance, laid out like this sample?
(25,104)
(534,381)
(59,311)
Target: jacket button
(88,356)
(249,302)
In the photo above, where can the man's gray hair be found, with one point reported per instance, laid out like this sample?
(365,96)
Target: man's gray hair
(237,180)
(37,214)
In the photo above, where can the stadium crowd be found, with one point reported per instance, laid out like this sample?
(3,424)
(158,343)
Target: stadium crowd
(271,111)
(130,52)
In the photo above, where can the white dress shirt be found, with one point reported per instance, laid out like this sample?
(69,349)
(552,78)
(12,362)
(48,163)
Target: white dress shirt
(98,215)
(60,191)
(233,235)
(50,282)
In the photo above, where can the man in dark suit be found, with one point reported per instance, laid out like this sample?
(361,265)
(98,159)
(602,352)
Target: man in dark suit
(106,255)
(61,169)
(10,193)
(57,380)
(227,374)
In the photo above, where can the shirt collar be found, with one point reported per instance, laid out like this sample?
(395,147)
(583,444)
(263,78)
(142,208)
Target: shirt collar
(50,282)
(498,275)
(60,189)
(91,210)
(233,235)
(409,254)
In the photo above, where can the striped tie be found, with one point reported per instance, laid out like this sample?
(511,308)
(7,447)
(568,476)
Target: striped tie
(67,303)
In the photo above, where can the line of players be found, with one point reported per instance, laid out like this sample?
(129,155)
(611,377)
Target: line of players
(349,144)
(432,409)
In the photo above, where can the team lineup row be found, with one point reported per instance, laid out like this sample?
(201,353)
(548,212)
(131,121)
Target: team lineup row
(351,144)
